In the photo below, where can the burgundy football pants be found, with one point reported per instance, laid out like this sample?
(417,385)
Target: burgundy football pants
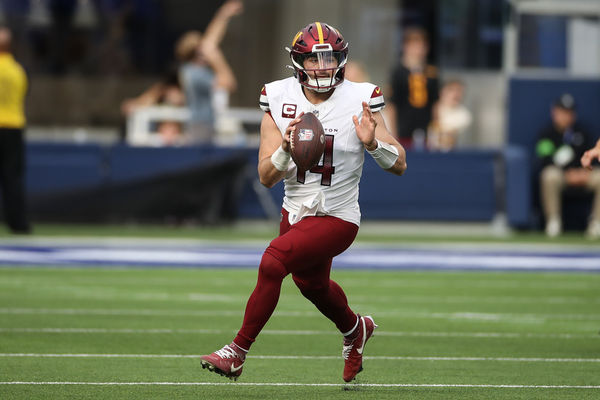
(304,250)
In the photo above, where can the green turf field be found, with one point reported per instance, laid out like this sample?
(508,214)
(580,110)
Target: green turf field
(495,335)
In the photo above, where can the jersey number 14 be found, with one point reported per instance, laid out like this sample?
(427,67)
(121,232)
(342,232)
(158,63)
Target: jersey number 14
(326,169)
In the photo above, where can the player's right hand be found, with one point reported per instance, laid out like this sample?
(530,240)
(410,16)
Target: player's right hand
(285,144)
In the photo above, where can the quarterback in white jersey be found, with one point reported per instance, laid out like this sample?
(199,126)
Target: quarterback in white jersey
(330,188)
(320,214)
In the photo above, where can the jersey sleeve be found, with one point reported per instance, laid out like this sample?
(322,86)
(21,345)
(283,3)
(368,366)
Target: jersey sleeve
(376,102)
(264,101)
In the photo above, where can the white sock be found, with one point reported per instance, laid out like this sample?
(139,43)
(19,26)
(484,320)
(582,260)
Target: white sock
(353,329)
(241,348)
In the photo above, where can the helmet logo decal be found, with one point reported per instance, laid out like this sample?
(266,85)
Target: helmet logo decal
(288,111)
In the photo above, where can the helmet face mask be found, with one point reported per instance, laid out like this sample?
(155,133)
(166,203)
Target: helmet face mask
(319,54)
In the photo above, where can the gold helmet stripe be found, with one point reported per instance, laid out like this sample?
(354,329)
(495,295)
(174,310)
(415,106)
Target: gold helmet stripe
(296,38)
(320,32)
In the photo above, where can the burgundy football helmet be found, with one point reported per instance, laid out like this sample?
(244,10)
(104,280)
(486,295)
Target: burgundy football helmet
(325,51)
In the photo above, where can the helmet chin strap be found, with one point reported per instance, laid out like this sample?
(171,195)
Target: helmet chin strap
(321,85)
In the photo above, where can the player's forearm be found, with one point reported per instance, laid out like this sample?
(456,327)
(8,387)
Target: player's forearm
(400,165)
(389,155)
(268,175)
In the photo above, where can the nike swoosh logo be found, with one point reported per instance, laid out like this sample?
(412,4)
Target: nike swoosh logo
(235,369)
(364,338)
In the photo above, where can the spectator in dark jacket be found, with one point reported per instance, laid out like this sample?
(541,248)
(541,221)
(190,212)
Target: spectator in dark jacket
(559,149)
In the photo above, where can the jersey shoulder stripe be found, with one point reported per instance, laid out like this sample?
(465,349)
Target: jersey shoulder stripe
(263,101)
(376,102)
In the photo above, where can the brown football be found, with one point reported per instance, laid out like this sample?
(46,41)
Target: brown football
(307,142)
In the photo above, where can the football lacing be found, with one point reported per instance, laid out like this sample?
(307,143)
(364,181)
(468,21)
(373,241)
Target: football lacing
(347,349)
(226,352)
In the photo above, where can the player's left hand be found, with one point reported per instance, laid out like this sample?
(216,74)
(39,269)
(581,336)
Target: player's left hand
(365,129)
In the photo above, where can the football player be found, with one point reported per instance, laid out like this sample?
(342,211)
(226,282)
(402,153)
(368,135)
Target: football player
(320,213)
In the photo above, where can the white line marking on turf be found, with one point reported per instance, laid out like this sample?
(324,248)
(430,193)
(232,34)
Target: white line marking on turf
(292,357)
(107,330)
(494,317)
(486,335)
(408,385)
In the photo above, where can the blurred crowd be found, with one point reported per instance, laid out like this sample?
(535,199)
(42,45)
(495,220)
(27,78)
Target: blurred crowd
(91,37)
(201,80)
(421,111)
(422,115)
(121,37)
(104,37)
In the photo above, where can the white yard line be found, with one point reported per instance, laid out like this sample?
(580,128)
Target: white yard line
(490,335)
(397,385)
(459,315)
(293,357)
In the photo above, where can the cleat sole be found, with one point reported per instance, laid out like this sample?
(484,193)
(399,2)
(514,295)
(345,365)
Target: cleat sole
(212,368)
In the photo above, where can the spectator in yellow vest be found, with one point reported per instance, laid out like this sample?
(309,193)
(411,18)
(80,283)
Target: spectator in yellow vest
(13,87)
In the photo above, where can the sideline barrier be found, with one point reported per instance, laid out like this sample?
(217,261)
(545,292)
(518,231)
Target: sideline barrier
(459,186)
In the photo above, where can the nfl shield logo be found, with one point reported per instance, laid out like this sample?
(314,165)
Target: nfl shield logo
(305,135)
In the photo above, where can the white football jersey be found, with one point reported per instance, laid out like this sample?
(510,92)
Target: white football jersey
(330,188)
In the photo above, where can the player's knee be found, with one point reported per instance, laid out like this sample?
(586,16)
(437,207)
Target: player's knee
(271,268)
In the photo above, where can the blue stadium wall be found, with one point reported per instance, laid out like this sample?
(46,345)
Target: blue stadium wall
(459,186)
